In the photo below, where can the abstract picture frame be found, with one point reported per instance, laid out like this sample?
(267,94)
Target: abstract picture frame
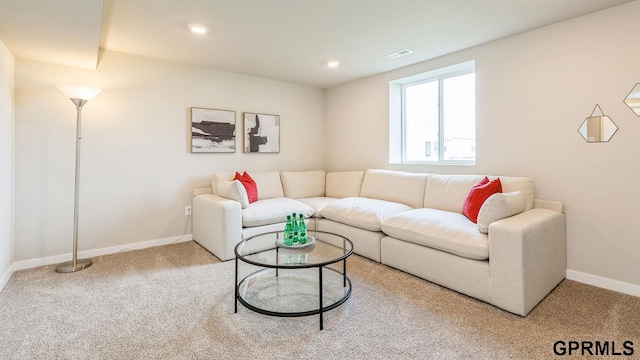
(261,133)
(213,130)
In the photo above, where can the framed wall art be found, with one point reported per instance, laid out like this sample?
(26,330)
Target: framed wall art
(213,131)
(261,133)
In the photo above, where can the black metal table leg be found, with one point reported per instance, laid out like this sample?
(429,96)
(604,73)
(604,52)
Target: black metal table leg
(320,291)
(235,286)
(277,260)
(344,264)
(344,273)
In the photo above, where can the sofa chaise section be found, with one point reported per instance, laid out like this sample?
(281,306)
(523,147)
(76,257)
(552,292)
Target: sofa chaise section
(527,259)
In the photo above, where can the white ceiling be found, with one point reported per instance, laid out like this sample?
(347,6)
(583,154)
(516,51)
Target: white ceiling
(65,32)
(288,40)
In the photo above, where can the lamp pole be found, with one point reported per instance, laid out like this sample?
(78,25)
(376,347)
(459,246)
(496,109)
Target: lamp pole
(76,264)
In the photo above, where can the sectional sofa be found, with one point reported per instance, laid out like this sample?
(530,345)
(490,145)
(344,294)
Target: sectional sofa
(512,258)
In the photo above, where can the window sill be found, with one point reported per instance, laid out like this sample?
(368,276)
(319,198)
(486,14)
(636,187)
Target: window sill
(459,163)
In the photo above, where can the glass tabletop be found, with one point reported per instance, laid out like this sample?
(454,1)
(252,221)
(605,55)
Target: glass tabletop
(262,250)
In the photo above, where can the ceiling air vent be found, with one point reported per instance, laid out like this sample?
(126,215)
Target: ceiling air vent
(399,53)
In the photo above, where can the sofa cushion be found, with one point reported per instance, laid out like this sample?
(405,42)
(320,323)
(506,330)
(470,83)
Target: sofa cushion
(269,184)
(303,184)
(499,206)
(442,230)
(364,213)
(271,211)
(477,196)
(344,184)
(448,192)
(249,185)
(234,190)
(317,204)
(396,186)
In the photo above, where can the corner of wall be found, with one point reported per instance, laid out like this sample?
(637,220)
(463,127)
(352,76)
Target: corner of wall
(6,276)
(7,163)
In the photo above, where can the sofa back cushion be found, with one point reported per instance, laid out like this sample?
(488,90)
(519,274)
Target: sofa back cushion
(448,192)
(401,187)
(343,184)
(303,184)
(268,183)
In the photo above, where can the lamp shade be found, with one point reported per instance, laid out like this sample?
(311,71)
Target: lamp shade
(79,92)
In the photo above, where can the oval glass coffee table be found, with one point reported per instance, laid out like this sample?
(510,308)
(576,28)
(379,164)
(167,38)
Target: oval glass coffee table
(292,281)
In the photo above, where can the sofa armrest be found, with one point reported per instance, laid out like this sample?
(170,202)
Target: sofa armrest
(201,191)
(217,224)
(548,204)
(527,258)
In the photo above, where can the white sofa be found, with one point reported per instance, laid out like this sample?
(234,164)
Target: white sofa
(409,221)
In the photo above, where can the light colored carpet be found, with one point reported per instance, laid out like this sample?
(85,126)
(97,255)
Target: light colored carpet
(176,302)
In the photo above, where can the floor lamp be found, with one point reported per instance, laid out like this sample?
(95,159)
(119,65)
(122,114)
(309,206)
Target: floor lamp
(79,96)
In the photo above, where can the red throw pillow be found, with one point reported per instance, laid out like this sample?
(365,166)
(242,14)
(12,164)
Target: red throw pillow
(477,196)
(249,185)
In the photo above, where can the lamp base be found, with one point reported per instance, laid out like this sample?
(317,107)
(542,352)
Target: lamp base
(67,267)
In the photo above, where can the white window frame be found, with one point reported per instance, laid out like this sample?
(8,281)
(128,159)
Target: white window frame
(397,135)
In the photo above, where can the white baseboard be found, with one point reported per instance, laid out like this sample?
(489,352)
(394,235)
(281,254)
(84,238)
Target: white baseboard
(27,264)
(7,275)
(609,284)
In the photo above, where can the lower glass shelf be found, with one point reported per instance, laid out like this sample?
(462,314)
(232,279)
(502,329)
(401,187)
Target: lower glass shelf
(294,292)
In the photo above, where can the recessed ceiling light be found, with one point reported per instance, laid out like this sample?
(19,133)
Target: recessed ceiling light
(198,29)
(333,64)
(399,53)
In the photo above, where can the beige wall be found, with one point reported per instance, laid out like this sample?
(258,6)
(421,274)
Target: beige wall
(7,84)
(137,171)
(533,92)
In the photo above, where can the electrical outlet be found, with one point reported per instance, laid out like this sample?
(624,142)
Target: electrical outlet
(187,210)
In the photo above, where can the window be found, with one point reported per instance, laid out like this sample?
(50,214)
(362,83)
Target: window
(432,117)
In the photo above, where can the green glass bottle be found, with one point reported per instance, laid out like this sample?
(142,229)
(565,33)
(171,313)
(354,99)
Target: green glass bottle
(294,228)
(288,232)
(302,231)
